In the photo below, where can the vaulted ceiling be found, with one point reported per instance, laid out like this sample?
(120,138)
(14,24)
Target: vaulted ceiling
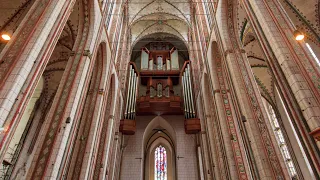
(60,56)
(155,17)
(12,14)
(305,16)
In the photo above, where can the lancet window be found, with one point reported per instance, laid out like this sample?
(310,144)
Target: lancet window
(280,139)
(313,54)
(160,170)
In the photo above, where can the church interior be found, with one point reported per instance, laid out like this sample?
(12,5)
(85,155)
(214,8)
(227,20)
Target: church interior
(160,89)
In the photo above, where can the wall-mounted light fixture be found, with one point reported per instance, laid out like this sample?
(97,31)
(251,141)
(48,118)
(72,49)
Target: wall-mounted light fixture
(298,35)
(6,35)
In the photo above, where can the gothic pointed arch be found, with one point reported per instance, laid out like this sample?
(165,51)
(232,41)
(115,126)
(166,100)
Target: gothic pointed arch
(159,136)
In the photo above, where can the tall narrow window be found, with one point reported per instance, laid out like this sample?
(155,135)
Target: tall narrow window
(313,54)
(280,139)
(160,169)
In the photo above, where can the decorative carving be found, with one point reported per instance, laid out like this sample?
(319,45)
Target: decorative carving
(229,118)
(257,110)
(64,95)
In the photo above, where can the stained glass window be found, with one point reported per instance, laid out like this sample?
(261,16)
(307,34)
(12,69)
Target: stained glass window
(160,161)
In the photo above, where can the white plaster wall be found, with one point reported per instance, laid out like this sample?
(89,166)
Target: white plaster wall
(187,167)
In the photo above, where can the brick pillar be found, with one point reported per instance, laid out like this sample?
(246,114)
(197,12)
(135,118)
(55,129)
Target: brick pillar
(53,140)
(204,139)
(267,162)
(299,73)
(212,131)
(24,59)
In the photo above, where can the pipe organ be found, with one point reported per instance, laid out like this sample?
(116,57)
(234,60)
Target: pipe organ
(159,81)
(192,124)
(189,111)
(127,125)
(159,59)
(159,87)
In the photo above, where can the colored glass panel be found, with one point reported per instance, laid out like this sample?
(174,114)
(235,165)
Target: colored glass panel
(160,169)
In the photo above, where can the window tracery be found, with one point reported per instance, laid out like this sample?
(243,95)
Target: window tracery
(280,139)
(160,170)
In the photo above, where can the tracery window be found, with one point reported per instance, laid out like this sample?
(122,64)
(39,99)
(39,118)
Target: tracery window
(280,140)
(160,169)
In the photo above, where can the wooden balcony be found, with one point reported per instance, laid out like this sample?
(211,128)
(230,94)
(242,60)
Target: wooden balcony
(192,126)
(159,105)
(127,126)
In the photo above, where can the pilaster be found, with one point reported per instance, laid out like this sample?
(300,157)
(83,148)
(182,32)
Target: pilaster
(267,163)
(296,62)
(56,131)
(294,68)
(24,59)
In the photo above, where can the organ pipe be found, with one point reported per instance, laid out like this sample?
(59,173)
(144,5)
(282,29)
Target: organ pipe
(184,97)
(168,65)
(131,97)
(135,96)
(151,64)
(188,93)
(132,91)
(128,95)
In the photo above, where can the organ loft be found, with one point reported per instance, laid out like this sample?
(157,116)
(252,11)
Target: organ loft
(159,90)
